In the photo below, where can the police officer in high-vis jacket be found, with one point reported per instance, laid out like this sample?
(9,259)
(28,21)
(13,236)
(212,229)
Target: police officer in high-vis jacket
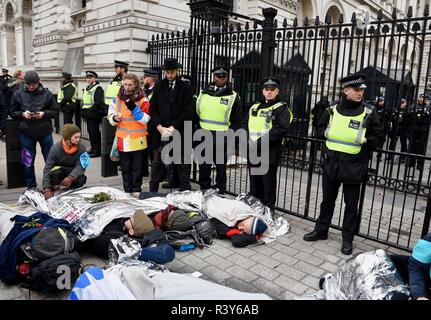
(218,109)
(67,96)
(114,86)
(271,116)
(353,129)
(93,111)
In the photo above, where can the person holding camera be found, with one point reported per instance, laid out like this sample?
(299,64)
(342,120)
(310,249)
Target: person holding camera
(34,106)
(129,112)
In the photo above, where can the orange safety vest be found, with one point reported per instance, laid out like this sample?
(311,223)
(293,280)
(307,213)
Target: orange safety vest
(128,126)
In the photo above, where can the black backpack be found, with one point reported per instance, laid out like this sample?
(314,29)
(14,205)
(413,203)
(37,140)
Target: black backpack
(180,239)
(203,226)
(57,273)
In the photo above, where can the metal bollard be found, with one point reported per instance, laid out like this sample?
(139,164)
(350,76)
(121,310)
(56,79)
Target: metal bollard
(14,166)
(109,167)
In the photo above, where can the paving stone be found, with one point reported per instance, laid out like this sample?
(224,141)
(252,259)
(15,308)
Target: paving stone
(221,251)
(310,258)
(329,266)
(309,269)
(201,253)
(215,273)
(302,247)
(326,256)
(285,239)
(290,284)
(241,273)
(241,261)
(240,285)
(267,261)
(285,258)
(265,250)
(246,252)
(175,265)
(195,262)
(260,270)
(311,281)
(290,271)
(285,249)
(218,261)
(9,292)
(322,246)
(268,287)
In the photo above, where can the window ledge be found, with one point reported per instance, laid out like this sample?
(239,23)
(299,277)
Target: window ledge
(79,12)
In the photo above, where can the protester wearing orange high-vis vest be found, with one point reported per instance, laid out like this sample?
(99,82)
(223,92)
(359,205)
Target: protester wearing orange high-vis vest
(129,112)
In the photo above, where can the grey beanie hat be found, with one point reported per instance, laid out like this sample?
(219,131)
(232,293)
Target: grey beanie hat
(31,77)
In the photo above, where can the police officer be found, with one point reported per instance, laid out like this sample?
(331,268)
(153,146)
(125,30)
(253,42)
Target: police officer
(93,111)
(121,68)
(149,81)
(271,116)
(384,114)
(218,109)
(317,112)
(399,129)
(418,118)
(67,96)
(353,129)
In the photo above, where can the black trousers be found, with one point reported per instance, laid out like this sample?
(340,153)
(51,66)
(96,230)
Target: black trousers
(264,187)
(68,117)
(93,126)
(205,168)
(57,176)
(158,169)
(351,199)
(418,145)
(131,170)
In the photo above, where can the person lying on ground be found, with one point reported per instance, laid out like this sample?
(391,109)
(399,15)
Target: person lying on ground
(66,164)
(139,227)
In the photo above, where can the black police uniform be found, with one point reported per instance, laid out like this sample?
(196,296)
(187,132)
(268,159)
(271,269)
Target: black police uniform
(418,119)
(347,169)
(399,129)
(235,122)
(66,105)
(264,187)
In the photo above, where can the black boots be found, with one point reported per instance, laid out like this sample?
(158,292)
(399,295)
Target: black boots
(347,247)
(314,236)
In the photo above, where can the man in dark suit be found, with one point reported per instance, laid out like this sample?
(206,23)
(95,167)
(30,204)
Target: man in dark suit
(170,107)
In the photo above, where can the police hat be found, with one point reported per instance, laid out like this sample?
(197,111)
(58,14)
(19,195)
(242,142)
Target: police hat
(151,73)
(381,98)
(121,64)
(4,70)
(171,64)
(271,82)
(90,74)
(220,71)
(355,81)
(66,75)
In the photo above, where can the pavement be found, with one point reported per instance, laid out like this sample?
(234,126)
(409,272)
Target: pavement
(284,269)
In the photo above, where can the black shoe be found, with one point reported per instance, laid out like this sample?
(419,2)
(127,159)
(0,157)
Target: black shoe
(167,185)
(314,236)
(321,283)
(347,248)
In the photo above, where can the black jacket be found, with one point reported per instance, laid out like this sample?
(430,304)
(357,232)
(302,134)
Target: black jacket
(281,119)
(418,118)
(40,100)
(352,168)
(236,113)
(66,105)
(98,110)
(172,112)
(398,119)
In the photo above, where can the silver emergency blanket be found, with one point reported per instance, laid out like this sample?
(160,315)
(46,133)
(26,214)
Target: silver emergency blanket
(8,212)
(35,199)
(122,249)
(98,215)
(368,276)
(186,200)
(150,268)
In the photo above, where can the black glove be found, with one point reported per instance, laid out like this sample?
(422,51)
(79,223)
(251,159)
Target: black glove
(130,105)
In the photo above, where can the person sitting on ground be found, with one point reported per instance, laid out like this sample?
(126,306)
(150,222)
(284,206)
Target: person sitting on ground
(246,231)
(66,164)
(138,227)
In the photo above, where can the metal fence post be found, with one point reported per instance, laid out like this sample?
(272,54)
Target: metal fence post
(427,218)
(268,41)
(78,118)
(14,166)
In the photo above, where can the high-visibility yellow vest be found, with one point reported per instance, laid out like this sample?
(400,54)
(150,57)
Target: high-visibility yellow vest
(214,112)
(346,133)
(60,95)
(88,98)
(112,91)
(260,122)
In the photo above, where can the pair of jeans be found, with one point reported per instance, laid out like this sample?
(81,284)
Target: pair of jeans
(28,144)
